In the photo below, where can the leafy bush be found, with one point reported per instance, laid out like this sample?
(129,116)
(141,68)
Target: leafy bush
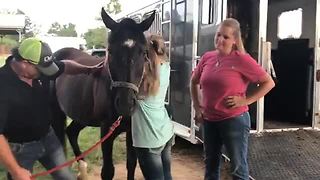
(10,43)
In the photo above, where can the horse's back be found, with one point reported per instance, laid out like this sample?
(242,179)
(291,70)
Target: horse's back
(76,55)
(78,94)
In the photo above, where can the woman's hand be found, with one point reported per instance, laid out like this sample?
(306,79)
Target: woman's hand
(318,75)
(235,101)
(198,116)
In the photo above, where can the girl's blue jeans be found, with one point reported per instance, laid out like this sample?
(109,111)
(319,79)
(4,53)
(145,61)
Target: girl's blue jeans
(155,163)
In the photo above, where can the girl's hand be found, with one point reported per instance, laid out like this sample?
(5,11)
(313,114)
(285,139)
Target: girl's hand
(235,101)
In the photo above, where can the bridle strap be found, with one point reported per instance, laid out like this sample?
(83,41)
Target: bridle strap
(124,85)
(120,84)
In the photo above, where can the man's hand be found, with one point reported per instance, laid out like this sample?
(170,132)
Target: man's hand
(95,68)
(21,174)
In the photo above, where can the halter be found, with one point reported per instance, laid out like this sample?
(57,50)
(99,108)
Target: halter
(123,84)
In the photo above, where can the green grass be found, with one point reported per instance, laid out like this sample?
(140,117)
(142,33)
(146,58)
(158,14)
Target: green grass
(88,137)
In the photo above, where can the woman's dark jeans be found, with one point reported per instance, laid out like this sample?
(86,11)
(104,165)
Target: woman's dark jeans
(233,133)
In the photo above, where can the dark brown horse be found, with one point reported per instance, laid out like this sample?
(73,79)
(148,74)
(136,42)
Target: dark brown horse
(98,99)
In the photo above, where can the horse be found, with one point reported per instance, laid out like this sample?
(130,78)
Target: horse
(97,99)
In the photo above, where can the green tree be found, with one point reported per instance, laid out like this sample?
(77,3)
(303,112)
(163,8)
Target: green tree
(96,38)
(66,30)
(9,41)
(55,28)
(30,29)
(113,7)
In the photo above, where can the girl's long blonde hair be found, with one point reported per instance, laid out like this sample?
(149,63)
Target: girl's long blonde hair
(156,53)
(235,25)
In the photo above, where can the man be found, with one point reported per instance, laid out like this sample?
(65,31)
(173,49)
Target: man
(26,135)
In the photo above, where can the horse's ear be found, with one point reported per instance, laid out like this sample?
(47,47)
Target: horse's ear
(144,25)
(107,20)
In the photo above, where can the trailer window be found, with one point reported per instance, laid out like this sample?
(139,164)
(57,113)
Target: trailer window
(211,11)
(165,31)
(206,12)
(166,11)
(180,12)
(290,24)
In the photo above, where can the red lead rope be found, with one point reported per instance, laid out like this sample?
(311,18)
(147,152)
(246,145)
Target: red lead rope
(70,162)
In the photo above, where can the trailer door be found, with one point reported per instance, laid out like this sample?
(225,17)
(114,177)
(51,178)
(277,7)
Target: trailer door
(316,103)
(263,12)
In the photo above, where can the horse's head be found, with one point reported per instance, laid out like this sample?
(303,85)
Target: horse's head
(126,57)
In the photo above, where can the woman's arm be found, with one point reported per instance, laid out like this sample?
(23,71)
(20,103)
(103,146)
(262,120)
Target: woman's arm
(265,84)
(194,90)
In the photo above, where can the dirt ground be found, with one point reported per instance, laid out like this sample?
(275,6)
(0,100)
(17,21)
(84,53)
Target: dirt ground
(187,164)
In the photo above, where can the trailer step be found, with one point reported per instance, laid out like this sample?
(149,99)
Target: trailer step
(285,155)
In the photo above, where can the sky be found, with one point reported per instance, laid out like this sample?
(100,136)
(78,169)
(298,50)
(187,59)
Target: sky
(82,13)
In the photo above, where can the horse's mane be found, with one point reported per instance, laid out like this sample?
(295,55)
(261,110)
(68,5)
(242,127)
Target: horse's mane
(156,53)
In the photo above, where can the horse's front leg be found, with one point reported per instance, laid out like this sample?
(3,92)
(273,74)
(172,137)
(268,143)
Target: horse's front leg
(131,156)
(73,131)
(107,171)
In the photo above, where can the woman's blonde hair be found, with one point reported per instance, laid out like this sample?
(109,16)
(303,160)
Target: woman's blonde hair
(235,25)
(156,53)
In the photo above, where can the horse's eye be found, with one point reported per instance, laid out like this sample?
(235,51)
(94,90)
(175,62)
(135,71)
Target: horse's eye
(109,51)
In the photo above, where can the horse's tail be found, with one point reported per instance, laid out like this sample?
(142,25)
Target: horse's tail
(58,116)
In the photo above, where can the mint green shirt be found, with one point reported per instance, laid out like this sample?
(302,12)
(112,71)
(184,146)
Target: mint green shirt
(151,125)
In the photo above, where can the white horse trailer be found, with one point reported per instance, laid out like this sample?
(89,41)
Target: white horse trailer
(281,35)
(284,37)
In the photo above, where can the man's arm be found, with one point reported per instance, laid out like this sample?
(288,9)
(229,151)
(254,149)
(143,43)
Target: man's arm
(6,156)
(8,160)
(72,67)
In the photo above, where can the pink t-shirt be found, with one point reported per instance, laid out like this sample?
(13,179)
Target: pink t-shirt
(225,76)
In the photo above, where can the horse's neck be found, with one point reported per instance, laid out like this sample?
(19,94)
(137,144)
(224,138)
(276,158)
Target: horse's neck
(102,93)
(105,72)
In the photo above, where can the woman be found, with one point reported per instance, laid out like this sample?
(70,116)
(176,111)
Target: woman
(224,75)
(152,129)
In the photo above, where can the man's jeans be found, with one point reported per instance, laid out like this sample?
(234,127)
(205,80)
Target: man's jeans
(233,133)
(155,163)
(48,151)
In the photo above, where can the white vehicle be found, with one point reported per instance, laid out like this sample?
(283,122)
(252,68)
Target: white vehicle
(58,42)
(97,52)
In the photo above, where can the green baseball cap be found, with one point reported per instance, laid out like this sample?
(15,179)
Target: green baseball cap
(38,53)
